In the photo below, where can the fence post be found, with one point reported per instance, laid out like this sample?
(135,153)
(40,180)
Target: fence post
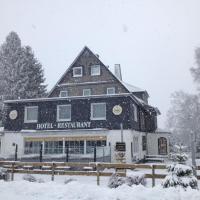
(95,153)
(153,175)
(67,153)
(98,174)
(12,172)
(53,171)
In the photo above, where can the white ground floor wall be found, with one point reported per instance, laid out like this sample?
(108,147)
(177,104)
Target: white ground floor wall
(135,148)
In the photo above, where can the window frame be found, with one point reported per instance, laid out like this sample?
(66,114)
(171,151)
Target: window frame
(99,70)
(63,91)
(109,89)
(135,113)
(25,114)
(91,111)
(78,75)
(57,113)
(87,89)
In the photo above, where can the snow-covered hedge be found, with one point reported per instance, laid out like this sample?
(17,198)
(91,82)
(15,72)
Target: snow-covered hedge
(4,175)
(31,178)
(131,179)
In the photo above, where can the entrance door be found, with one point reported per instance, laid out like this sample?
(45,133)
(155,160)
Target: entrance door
(162,146)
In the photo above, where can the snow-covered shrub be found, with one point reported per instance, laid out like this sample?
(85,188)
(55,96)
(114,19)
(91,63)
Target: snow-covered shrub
(115,181)
(135,179)
(69,180)
(180,175)
(4,175)
(40,180)
(131,179)
(29,177)
(179,155)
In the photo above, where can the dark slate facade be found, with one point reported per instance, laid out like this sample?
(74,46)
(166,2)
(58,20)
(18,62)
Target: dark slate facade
(81,105)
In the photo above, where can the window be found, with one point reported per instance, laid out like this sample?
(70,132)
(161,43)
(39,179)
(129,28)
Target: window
(135,145)
(63,93)
(144,143)
(98,111)
(31,114)
(95,70)
(53,147)
(75,147)
(64,112)
(135,113)
(111,90)
(32,147)
(86,92)
(77,71)
(91,144)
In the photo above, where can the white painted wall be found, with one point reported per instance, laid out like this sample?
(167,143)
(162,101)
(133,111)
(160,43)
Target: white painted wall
(7,140)
(152,142)
(113,136)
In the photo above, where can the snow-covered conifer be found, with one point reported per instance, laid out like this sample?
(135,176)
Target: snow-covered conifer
(179,173)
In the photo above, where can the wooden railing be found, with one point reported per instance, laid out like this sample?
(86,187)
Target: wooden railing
(80,169)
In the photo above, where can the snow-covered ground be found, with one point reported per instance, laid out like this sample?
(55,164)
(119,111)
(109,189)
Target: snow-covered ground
(75,190)
(85,188)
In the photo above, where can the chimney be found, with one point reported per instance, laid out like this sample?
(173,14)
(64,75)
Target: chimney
(118,73)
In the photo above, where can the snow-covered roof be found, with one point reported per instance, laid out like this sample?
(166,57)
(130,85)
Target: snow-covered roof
(159,130)
(132,88)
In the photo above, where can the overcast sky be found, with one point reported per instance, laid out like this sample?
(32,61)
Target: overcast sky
(153,40)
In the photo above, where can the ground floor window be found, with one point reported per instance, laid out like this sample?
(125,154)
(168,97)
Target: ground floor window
(91,144)
(75,147)
(53,147)
(135,145)
(144,143)
(60,146)
(32,147)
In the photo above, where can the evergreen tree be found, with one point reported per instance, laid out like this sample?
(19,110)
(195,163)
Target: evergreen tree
(179,173)
(21,75)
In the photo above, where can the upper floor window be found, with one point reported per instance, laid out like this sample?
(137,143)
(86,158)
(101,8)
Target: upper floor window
(111,90)
(77,71)
(95,70)
(64,112)
(98,111)
(63,93)
(31,114)
(135,113)
(86,92)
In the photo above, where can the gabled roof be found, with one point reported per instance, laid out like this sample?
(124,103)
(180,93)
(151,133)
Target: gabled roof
(68,69)
(129,88)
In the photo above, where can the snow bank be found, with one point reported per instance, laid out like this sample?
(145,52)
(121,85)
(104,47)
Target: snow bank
(23,190)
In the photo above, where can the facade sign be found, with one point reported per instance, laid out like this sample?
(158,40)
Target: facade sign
(13,114)
(117,110)
(63,125)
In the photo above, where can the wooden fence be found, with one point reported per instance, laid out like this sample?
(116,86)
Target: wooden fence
(80,169)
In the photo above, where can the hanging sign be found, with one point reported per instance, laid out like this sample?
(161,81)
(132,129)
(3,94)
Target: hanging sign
(120,146)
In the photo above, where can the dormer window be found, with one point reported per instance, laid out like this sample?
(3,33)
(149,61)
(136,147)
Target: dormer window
(111,90)
(95,70)
(63,93)
(77,71)
(86,92)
